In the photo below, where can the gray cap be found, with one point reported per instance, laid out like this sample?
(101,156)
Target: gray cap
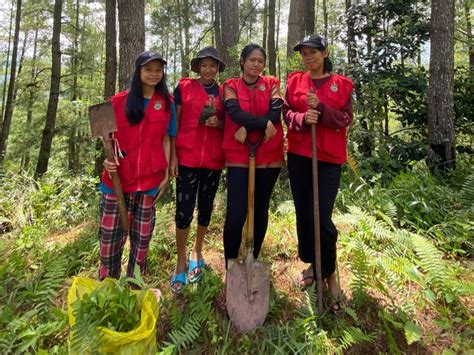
(207,52)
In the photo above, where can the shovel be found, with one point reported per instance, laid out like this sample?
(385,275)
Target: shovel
(317,231)
(248,280)
(102,120)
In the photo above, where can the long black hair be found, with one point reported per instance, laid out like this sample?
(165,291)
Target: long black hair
(247,50)
(134,106)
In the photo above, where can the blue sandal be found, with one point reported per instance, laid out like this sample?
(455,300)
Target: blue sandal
(193,265)
(181,278)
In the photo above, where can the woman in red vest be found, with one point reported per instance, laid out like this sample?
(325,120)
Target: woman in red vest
(317,96)
(253,109)
(145,120)
(199,159)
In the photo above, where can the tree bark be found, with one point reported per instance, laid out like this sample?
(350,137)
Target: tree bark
(325,19)
(229,21)
(309,14)
(7,120)
(467,14)
(110,70)
(217,25)
(295,25)
(271,38)
(441,135)
(351,43)
(48,132)
(4,92)
(265,24)
(183,26)
(31,100)
(131,16)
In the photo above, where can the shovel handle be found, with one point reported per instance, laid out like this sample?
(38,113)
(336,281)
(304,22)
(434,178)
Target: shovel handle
(117,186)
(317,231)
(251,189)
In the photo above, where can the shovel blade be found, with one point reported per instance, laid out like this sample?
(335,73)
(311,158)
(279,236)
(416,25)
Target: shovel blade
(102,119)
(248,293)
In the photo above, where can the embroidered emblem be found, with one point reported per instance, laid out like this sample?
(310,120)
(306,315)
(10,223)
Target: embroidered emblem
(334,88)
(261,88)
(157,106)
(306,39)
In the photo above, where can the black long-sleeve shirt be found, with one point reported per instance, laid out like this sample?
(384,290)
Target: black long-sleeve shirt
(249,121)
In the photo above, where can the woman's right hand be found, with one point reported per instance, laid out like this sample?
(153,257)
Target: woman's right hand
(311,117)
(173,169)
(111,167)
(241,135)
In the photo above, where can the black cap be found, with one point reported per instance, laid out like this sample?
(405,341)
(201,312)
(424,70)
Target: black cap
(207,52)
(313,41)
(147,57)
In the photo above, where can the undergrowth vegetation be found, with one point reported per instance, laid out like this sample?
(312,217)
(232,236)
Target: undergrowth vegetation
(405,262)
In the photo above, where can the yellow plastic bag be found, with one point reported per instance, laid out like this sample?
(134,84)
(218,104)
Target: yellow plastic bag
(141,340)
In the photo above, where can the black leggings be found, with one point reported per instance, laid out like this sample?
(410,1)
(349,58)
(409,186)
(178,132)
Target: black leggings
(237,197)
(192,181)
(300,173)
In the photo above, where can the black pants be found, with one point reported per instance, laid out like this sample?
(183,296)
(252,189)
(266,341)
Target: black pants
(237,198)
(300,172)
(192,182)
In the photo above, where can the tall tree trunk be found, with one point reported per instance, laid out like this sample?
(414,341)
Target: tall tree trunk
(295,25)
(73,156)
(271,38)
(325,19)
(131,16)
(7,120)
(467,14)
(4,92)
(229,20)
(183,26)
(265,24)
(20,63)
(351,43)
(441,135)
(217,25)
(309,14)
(277,46)
(48,131)
(31,100)
(110,70)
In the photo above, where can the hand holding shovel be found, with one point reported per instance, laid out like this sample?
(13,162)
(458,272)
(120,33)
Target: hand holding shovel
(102,121)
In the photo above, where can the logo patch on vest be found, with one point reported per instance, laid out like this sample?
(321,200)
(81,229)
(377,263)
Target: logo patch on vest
(334,88)
(261,87)
(157,106)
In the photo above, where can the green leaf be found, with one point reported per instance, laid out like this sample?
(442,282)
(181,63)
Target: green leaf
(412,332)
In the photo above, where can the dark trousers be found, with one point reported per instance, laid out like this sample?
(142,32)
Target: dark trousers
(191,182)
(300,173)
(237,199)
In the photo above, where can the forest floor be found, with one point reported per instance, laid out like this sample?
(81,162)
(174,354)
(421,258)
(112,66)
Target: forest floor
(286,268)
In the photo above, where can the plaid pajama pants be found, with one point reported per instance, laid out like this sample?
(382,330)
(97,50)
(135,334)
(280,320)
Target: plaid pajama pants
(141,216)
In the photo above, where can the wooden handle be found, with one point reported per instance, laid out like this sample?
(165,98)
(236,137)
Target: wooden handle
(117,186)
(317,231)
(251,201)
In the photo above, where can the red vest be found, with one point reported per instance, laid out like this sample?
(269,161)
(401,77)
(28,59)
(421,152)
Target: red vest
(143,165)
(257,102)
(197,145)
(330,143)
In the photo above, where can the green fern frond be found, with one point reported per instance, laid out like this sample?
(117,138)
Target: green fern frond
(354,335)
(467,192)
(431,262)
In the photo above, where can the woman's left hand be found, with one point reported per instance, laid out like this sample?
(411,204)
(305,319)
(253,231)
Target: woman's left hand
(162,187)
(213,121)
